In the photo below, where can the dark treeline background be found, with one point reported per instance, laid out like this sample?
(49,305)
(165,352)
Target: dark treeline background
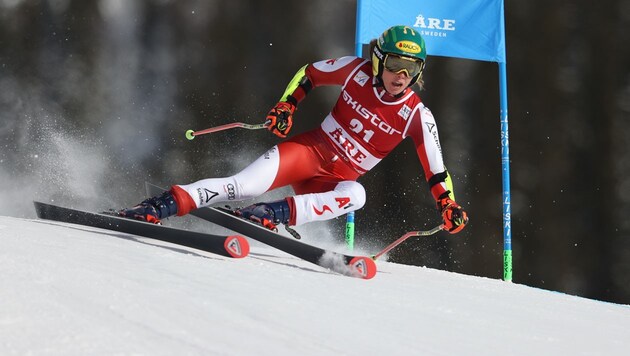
(95,97)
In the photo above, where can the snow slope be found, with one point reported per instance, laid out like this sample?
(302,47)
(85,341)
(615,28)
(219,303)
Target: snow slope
(73,290)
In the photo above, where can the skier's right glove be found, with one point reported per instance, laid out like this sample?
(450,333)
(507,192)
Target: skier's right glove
(453,215)
(280,119)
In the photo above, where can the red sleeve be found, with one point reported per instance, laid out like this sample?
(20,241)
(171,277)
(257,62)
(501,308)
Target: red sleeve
(327,72)
(332,71)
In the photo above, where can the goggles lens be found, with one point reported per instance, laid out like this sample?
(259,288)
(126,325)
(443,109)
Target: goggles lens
(397,64)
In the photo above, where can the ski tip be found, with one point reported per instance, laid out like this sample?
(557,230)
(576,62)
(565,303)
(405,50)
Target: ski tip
(364,267)
(237,246)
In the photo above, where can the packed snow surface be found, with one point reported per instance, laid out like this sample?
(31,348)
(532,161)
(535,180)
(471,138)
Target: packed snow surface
(74,290)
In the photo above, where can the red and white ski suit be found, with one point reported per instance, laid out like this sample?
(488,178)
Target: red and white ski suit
(322,165)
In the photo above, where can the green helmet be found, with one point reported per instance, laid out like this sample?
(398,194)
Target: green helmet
(402,41)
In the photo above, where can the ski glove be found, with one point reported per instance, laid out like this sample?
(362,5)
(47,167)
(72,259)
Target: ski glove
(280,119)
(455,218)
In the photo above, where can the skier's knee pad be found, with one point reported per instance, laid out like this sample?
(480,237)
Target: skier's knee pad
(354,191)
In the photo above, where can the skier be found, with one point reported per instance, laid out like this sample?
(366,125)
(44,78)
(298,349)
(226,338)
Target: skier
(375,111)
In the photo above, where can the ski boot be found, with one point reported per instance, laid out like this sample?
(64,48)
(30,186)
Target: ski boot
(153,209)
(268,215)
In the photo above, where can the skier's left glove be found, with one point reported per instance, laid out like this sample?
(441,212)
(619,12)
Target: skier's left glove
(280,119)
(453,215)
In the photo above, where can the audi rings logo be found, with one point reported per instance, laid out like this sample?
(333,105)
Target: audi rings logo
(231,192)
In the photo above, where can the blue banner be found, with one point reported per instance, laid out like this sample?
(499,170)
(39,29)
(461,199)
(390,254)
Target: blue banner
(471,29)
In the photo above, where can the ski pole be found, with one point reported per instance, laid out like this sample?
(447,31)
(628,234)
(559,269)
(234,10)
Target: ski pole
(405,237)
(190,134)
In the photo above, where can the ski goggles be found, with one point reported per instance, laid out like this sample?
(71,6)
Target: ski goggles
(397,64)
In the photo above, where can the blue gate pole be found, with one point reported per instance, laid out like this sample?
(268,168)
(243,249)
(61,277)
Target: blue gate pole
(505,167)
(358,51)
(350,231)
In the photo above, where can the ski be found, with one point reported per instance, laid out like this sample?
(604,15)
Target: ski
(229,246)
(355,266)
